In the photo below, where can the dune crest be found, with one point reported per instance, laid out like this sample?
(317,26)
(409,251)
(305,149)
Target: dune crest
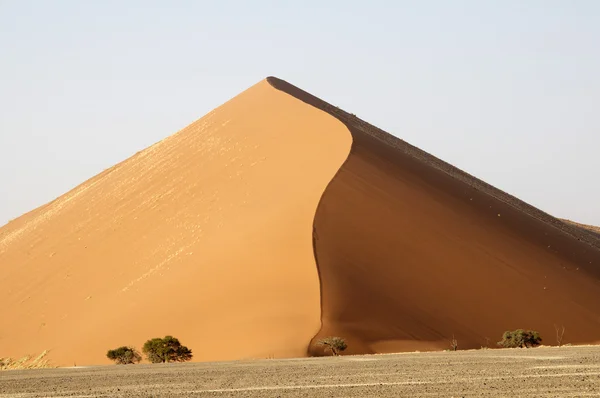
(595,230)
(206,235)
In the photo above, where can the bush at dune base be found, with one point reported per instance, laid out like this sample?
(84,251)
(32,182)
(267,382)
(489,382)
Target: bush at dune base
(124,355)
(334,344)
(520,338)
(167,349)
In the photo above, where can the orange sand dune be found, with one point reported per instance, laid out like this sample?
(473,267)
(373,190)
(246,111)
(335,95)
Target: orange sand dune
(206,235)
(412,251)
(278,219)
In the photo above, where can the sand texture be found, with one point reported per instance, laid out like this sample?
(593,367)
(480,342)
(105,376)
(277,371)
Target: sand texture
(278,219)
(206,235)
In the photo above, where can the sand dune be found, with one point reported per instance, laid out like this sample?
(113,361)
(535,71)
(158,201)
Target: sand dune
(205,235)
(412,251)
(278,219)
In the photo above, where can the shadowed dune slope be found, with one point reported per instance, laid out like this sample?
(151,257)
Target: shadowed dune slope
(205,236)
(412,251)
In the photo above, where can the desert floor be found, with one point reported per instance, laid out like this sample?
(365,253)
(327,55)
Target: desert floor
(539,372)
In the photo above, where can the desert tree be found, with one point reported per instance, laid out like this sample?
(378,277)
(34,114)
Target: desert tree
(167,349)
(124,355)
(520,338)
(333,344)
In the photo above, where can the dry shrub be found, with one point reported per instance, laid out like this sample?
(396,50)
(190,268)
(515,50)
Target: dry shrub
(520,338)
(26,362)
(454,343)
(560,333)
(333,344)
(124,355)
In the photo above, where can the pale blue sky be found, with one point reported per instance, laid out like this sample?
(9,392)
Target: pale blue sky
(506,90)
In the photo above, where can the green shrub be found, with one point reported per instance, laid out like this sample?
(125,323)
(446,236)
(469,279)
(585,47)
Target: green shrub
(124,355)
(333,344)
(520,338)
(167,349)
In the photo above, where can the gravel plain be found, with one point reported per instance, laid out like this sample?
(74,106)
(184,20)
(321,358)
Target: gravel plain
(539,372)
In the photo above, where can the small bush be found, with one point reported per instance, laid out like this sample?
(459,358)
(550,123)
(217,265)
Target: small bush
(124,355)
(520,338)
(333,344)
(167,349)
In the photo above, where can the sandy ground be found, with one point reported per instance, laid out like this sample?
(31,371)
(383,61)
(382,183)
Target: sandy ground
(540,372)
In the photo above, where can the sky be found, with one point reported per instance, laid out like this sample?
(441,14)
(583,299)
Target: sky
(507,90)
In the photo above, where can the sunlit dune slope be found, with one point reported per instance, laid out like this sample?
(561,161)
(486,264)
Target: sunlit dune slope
(206,235)
(412,251)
